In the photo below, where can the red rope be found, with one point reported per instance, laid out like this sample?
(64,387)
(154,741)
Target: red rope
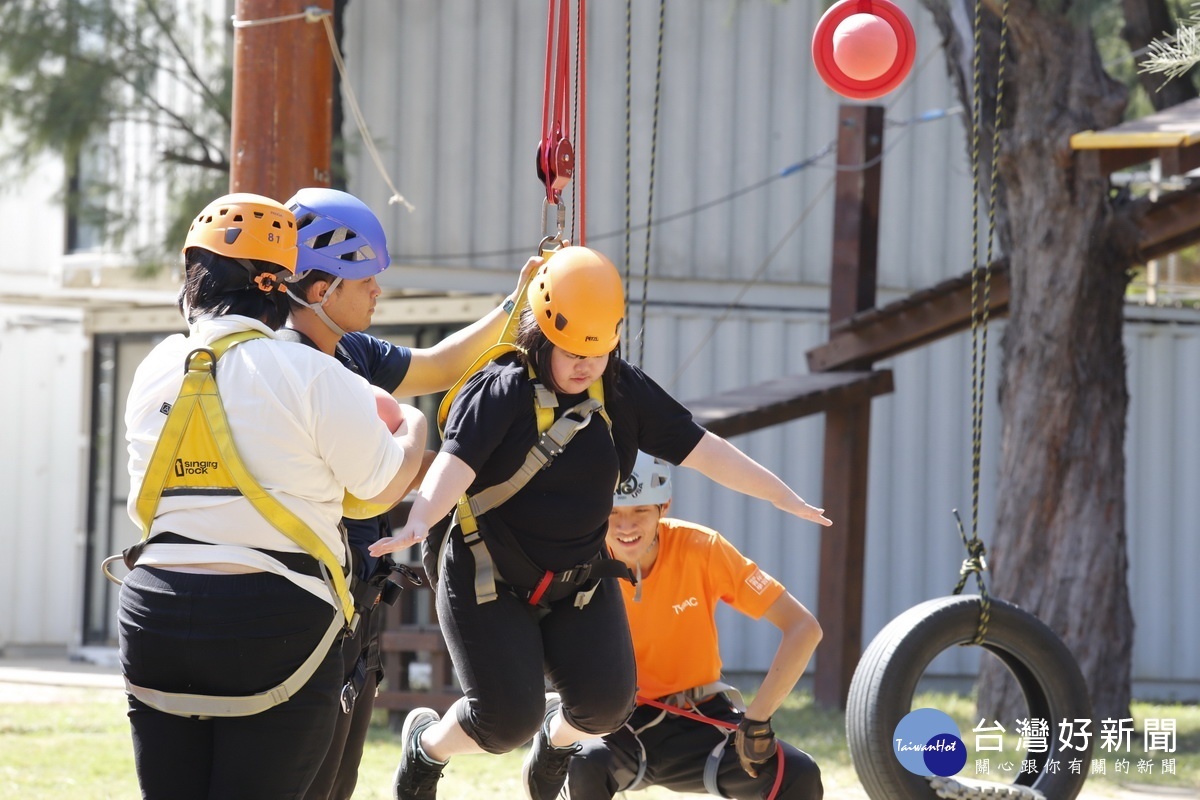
(720,723)
(581,126)
(558,160)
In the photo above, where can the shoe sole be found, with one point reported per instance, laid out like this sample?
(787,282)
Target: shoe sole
(405,743)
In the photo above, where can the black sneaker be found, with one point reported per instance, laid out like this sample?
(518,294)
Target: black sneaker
(545,769)
(416,776)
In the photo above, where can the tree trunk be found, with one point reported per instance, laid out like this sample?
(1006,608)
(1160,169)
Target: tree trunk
(1058,548)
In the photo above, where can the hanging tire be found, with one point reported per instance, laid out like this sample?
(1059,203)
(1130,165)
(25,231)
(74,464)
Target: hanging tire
(885,681)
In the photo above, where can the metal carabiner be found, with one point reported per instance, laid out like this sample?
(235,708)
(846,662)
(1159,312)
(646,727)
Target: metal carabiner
(561,223)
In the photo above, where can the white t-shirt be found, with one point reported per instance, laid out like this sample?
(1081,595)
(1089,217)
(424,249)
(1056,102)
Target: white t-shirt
(304,425)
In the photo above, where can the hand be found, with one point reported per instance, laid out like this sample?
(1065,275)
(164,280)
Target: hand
(754,743)
(530,267)
(795,506)
(410,534)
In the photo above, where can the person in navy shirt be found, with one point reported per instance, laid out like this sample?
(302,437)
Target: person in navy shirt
(342,248)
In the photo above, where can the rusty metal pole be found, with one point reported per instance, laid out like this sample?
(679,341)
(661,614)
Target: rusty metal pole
(282,100)
(848,429)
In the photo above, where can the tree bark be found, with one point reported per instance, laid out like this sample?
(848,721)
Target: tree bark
(1058,548)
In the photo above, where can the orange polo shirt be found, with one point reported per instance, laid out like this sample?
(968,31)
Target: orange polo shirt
(674,630)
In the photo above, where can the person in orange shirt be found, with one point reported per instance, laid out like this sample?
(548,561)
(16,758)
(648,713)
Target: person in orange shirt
(702,742)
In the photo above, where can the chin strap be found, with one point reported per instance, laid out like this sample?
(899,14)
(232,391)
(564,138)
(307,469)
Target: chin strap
(319,308)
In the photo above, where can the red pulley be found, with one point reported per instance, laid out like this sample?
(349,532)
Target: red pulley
(864,49)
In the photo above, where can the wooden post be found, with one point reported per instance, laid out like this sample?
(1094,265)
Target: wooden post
(847,429)
(282,100)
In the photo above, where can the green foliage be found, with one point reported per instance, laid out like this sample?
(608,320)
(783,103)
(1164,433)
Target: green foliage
(80,78)
(72,68)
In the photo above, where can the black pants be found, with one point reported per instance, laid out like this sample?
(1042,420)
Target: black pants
(676,750)
(338,774)
(503,652)
(226,635)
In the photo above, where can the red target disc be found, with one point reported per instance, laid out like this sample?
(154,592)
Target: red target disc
(860,43)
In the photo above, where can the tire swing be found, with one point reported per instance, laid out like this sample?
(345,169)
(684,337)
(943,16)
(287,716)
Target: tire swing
(882,690)
(883,686)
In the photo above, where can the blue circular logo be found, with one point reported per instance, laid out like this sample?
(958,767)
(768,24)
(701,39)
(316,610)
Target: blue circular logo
(927,742)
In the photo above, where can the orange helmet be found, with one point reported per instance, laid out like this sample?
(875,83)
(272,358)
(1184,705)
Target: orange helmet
(578,301)
(246,226)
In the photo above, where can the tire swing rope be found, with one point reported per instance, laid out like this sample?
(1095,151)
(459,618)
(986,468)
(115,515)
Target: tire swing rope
(981,296)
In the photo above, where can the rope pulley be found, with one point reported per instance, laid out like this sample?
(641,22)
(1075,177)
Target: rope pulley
(555,153)
(863,49)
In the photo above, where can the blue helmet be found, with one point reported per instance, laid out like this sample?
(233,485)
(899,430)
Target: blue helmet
(338,234)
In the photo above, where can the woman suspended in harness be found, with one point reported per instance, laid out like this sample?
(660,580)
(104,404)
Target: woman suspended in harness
(690,731)
(241,448)
(525,592)
(342,250)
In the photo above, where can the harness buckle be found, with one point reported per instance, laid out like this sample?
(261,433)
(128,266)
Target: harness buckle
(583,598)
(347,698)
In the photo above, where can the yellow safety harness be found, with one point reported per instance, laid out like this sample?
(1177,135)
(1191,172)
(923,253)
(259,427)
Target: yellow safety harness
(196,455)
(553,436)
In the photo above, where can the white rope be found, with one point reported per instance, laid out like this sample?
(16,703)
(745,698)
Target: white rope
(359,119)
(310,14)
(325,16)
(968,789)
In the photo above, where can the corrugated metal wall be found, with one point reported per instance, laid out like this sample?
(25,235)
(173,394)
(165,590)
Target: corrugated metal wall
(1163,471)
(44,358)
(453,94)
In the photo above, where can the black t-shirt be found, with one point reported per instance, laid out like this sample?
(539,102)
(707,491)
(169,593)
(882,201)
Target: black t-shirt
(382,364)
(560,517)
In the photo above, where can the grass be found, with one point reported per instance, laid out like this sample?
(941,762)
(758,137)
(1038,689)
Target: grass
(75,743)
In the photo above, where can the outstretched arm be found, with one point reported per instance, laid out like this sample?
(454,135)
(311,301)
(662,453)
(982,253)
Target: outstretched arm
(801,634)
(722,462)
(435,369)
(446,481)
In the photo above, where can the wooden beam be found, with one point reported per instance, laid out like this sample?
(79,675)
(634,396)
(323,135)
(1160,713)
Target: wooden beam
(847,427)
(908,323)
(1170,223)
(785,399)
(1180,160)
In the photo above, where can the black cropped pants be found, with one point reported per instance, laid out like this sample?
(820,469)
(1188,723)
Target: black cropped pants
(504,651)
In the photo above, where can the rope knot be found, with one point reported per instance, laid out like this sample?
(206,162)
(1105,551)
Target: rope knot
(976,560)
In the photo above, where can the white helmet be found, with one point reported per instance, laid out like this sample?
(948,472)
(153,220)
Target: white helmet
(648,485)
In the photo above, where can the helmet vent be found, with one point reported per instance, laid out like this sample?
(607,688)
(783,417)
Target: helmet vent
(238,218)
(560,321)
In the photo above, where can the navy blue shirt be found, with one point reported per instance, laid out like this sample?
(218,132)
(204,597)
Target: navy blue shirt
(382,364)
(561,516)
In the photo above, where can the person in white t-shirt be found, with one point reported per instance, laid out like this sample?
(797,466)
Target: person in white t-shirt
(224,618)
